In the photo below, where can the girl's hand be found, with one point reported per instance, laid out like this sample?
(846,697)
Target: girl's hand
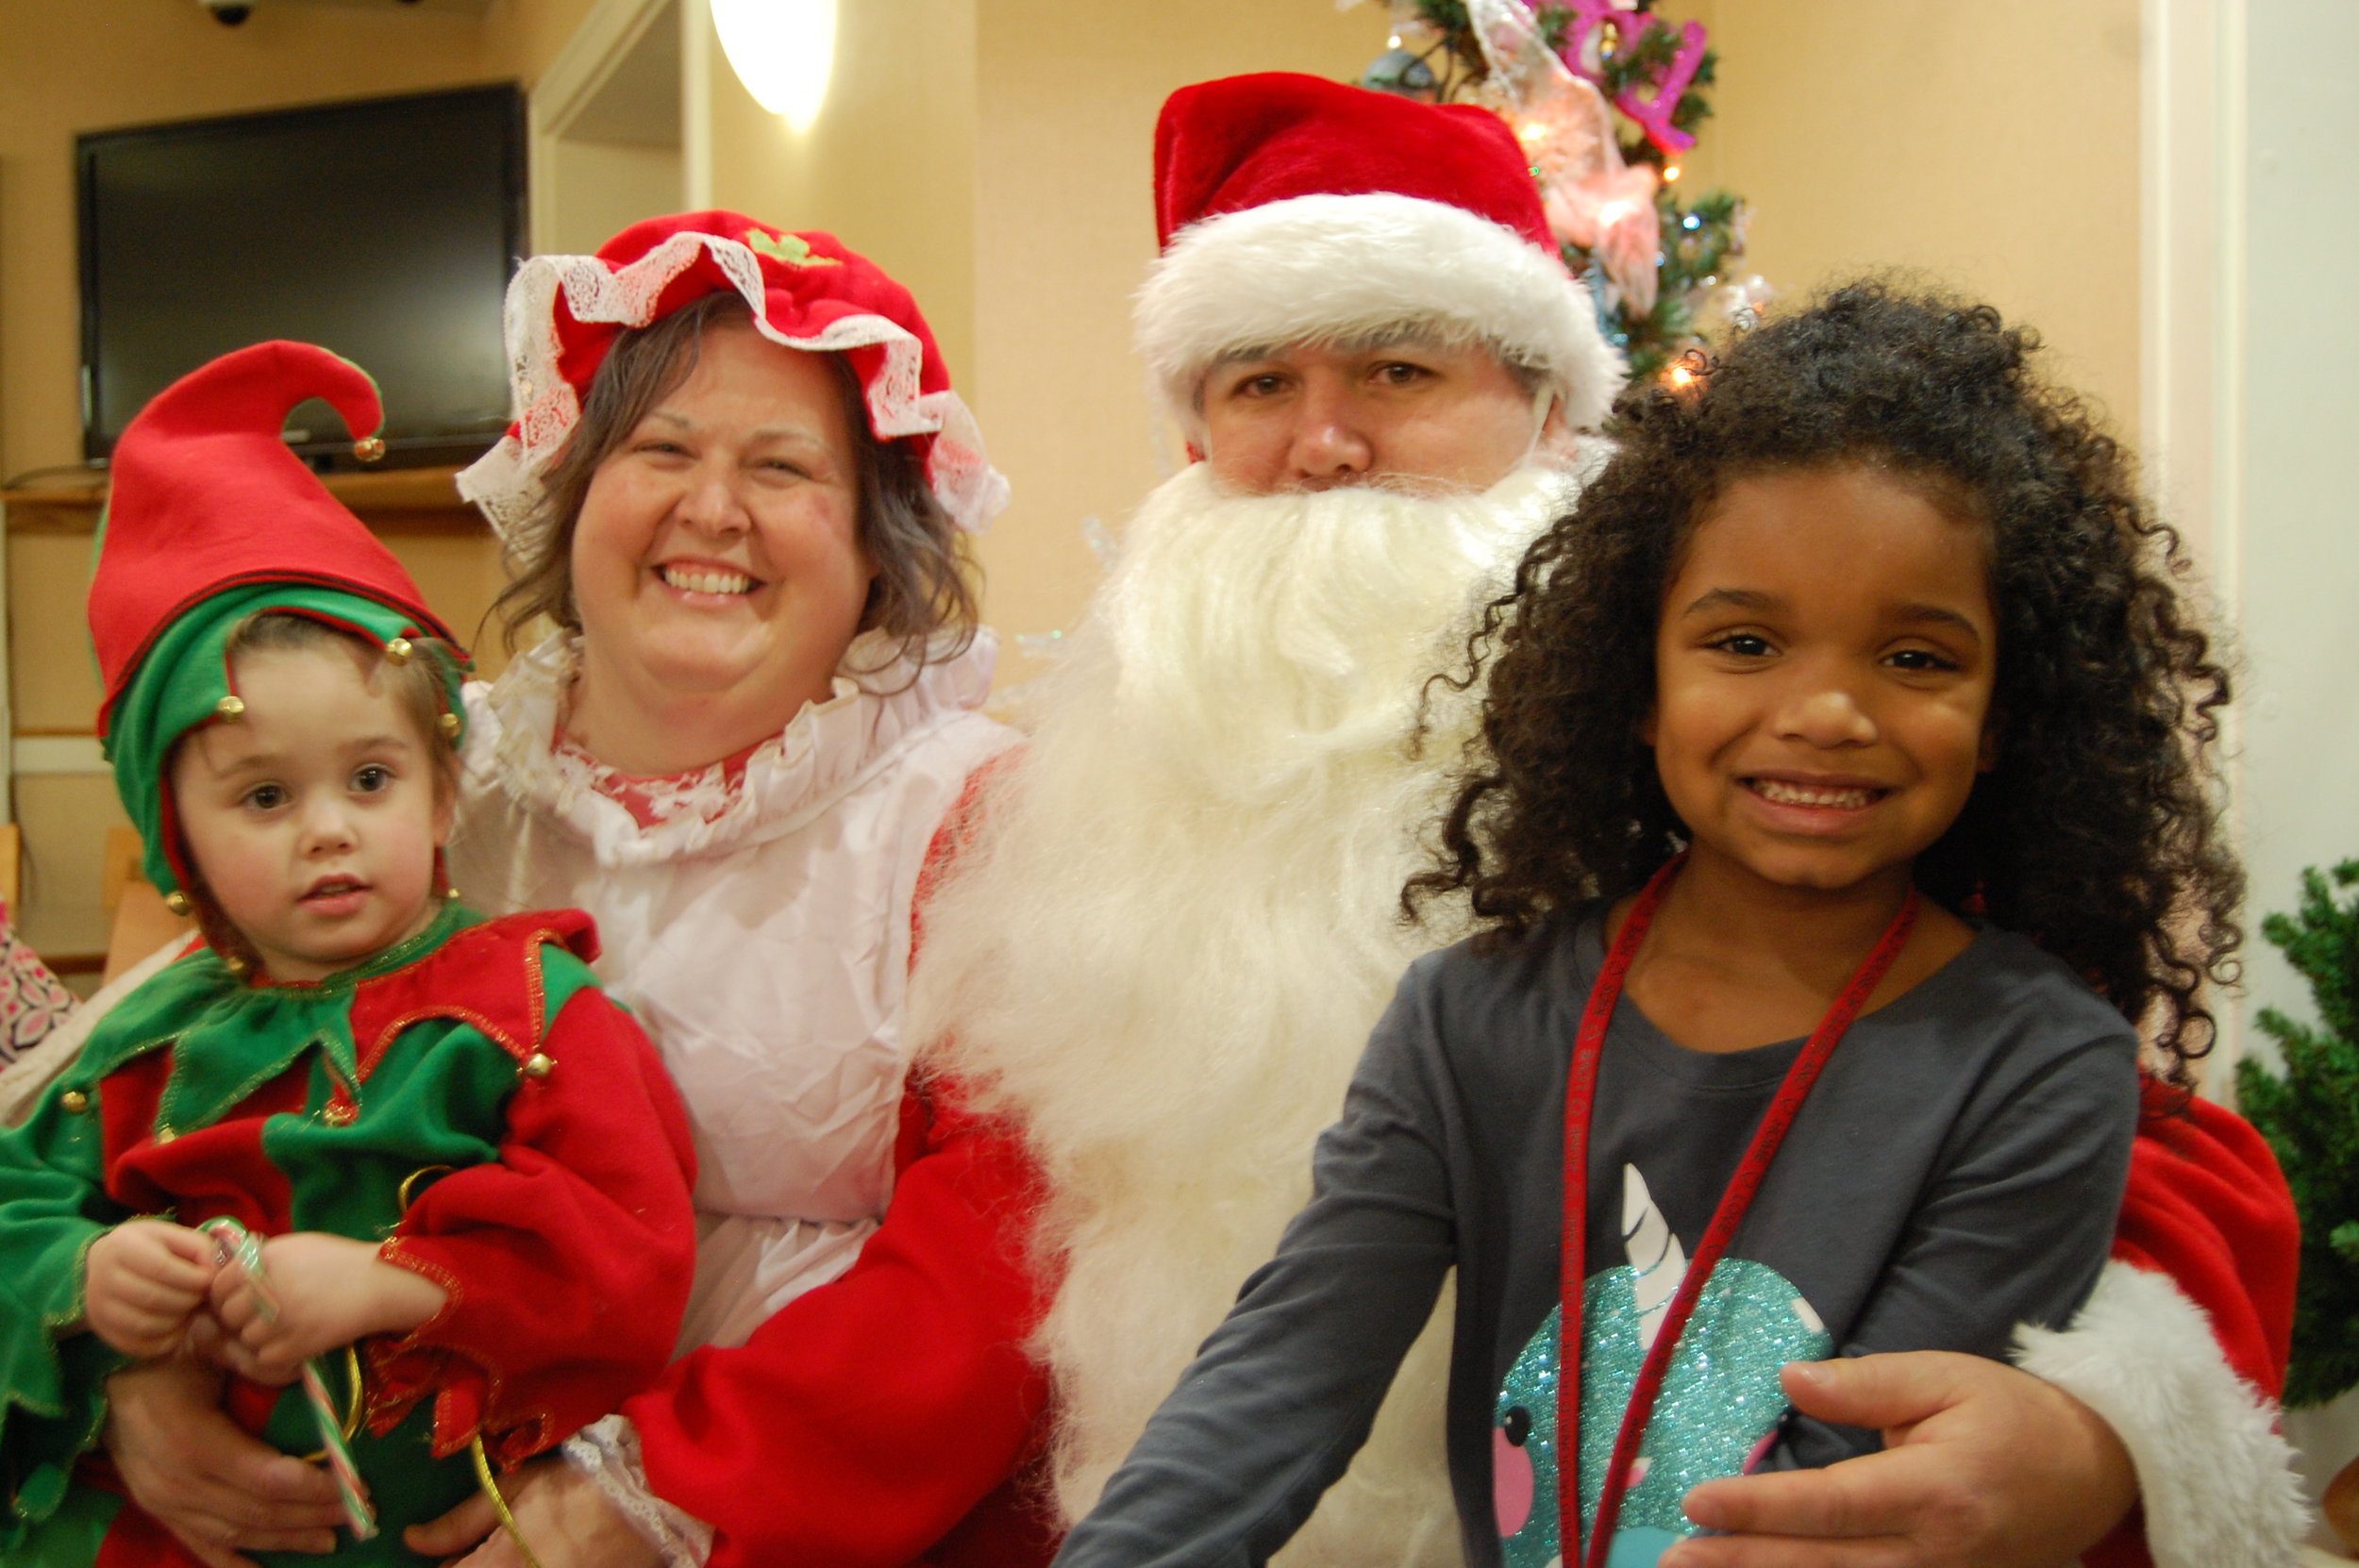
(141,1283)
(330,1291)
(1985,1466)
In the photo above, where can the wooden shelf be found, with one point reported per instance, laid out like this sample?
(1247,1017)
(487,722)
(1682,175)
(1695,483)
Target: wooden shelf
(396,500)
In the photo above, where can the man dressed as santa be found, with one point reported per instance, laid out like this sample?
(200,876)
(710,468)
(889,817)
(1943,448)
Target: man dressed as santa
(1178,914)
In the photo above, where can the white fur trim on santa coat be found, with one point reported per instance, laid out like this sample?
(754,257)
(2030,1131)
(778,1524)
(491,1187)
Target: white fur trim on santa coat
(2217,1477)
(1328,268)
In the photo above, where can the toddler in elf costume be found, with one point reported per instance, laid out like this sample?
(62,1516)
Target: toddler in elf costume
(465,1167)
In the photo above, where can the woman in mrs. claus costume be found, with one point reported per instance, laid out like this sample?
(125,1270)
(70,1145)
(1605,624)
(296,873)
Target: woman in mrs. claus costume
(737,485)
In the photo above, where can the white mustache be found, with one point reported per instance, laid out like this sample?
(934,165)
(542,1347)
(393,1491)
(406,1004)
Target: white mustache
(1252,635)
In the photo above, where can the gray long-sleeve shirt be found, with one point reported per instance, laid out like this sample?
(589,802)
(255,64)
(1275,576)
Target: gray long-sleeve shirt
(1957,1170)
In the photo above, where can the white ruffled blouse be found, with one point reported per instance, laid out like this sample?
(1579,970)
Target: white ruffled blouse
(761,932)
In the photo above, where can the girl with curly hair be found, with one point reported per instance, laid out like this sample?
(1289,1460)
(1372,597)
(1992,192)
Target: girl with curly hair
(1845,810)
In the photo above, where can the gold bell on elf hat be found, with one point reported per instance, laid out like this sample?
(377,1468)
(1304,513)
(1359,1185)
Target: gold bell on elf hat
(210,519)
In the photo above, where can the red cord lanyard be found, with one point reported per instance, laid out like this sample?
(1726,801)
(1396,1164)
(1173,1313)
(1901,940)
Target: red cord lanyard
(1579,1097)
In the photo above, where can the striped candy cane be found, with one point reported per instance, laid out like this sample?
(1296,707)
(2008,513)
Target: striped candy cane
(240,1246)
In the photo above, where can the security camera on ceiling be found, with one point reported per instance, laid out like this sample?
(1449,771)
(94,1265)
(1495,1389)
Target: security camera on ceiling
(230,13)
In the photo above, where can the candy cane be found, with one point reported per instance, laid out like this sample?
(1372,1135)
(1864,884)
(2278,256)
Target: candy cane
(235,1243)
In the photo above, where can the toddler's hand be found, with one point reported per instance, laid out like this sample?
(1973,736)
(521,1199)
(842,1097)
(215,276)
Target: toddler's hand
(328,1291)
(142,1281)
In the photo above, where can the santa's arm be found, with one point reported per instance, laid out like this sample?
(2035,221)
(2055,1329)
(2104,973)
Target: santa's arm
(568,1261)
(872,1415)
(2182,1347)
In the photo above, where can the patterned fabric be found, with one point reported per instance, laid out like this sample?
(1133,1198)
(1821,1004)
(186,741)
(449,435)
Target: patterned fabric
(32,1000)
(704,794)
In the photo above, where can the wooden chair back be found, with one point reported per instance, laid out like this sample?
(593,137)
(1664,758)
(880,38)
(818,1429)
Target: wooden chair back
(138,920)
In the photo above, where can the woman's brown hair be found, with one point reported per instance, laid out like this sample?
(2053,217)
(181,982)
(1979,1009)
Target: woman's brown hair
(924,593)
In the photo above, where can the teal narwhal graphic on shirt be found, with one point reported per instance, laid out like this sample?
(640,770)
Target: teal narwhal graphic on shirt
(1720,1403)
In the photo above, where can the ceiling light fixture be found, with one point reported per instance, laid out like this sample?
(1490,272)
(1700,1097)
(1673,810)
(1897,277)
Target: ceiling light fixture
(782,50)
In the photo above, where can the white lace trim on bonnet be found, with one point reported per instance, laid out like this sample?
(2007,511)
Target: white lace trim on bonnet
(506,482)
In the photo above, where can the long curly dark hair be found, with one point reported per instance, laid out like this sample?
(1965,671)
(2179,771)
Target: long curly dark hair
(2098,833)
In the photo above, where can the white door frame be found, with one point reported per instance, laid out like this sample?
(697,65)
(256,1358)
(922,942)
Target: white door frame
(2191,359)
(589,57)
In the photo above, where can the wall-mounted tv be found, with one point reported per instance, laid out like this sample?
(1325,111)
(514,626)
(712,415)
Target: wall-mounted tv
(384,230)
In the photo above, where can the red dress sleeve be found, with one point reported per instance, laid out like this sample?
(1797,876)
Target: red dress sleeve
(568,1261)
(875,1415)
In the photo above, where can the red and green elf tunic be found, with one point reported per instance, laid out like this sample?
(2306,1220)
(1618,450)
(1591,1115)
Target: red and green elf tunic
(470,1097)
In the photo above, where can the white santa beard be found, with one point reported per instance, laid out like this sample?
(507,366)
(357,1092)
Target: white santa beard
(1165,951)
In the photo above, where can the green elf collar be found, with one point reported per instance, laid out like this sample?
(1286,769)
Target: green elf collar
(232,1035)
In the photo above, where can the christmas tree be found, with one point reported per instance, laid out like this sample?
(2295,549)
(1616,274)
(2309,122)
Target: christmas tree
(2311,1118)
(1605,97)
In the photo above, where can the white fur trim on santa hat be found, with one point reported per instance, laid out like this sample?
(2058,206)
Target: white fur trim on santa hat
(2215,1477)
(505,483)
(1331,268)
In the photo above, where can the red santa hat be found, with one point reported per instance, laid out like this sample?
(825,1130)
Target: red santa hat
(805,290)
(1291,208)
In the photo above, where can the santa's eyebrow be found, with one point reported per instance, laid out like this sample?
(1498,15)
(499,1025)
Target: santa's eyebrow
(1402,335)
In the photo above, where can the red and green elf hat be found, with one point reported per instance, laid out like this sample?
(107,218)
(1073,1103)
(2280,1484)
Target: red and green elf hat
(211,518)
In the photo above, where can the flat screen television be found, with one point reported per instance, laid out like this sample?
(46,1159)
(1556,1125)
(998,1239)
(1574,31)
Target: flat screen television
(383,229)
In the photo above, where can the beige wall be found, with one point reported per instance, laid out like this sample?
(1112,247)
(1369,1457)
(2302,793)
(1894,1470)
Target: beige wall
(994,156)
(889,166)
(1063,165)
(1995,146)
(1991,146)
(65,68)
(609,188)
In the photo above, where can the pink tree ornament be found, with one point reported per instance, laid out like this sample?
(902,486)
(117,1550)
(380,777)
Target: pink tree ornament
(1592,198)
(1582,53)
